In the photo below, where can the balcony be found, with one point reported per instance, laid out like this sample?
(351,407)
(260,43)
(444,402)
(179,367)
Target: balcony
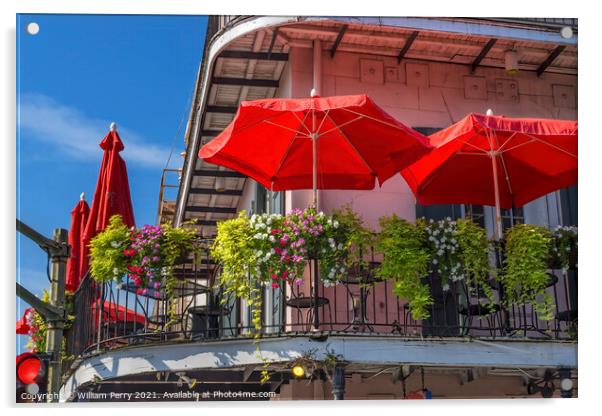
(359,306)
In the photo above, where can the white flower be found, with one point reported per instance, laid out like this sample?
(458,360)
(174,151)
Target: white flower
(435,261)
(445,287)
(115,271)
(340,246)
(272,238)
(440,252)
(335,224)
(115,244)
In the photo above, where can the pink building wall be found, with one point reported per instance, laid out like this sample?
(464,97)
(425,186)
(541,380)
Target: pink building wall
(420,94)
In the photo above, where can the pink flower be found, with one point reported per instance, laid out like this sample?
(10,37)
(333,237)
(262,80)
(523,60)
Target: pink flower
(298,282)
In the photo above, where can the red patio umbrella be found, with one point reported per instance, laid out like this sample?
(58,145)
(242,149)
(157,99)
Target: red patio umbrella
(23,327)
(113,313)
(498,161)
(112,195)
(344,142)
(77,265)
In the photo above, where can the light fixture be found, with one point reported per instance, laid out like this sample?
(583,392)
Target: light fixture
(511,62)
(220,184)
(298,370)
(566,384)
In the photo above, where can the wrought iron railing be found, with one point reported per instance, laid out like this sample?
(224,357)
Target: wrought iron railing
(110,316)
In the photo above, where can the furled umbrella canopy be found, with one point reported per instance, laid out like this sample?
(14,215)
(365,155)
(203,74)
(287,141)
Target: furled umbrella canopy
(77,264)
(112,195)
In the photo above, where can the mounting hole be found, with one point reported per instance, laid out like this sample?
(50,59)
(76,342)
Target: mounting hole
(566,32)
(33,28)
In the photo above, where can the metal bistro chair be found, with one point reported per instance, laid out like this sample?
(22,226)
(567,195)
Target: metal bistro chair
(474,307)
(300,302)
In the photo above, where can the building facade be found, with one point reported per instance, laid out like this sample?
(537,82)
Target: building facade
(427,73)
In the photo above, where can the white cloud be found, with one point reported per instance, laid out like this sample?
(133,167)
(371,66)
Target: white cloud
(78,135)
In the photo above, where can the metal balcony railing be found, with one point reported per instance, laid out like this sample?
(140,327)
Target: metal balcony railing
(110,316)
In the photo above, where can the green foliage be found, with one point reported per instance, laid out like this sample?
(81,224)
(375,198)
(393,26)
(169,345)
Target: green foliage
(525,270)
(474,255)
(174,243)
(405,260)
(359,239)
(235,249)
(564,247)
(106,250)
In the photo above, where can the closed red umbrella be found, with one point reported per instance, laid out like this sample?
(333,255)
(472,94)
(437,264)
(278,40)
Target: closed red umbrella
(498,161)
(77,264)
(112,195)
(23,327)
(344,142)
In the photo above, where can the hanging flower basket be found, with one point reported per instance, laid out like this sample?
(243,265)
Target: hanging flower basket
(146,256)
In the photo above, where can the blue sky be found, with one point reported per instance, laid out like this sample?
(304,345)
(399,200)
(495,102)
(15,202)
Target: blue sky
(76,76)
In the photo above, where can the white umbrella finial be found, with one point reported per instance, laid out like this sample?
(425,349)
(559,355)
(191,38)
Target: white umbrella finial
(113,126)
(82,196)
(313,93)
(489,112)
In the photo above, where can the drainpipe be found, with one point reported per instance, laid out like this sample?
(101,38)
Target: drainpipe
(338,382)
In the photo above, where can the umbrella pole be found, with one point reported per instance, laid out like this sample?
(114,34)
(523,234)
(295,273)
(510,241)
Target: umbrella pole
(316,278)
(496,189)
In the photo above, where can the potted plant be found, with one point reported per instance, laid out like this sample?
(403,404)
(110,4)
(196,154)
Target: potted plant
(524,273)
(360,242)
(564,248)
(474,257)
(459,251)
(146,256)
(405,261)
(272,250)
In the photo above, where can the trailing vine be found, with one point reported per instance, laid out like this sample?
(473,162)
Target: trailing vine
(474,256)
(359,239)
(176,242)
(564,247)
(405,261)
(235,249)
(525,268)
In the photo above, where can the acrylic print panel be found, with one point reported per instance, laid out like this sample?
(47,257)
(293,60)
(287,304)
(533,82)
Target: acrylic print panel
(189,281)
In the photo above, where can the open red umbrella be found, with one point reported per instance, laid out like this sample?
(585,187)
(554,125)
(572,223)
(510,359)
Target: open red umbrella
(23,327)
(77,264)
(344,142)
(498,161)
(112,195)
(113,313)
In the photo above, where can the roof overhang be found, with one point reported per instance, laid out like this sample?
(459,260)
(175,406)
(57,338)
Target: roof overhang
(245,58)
